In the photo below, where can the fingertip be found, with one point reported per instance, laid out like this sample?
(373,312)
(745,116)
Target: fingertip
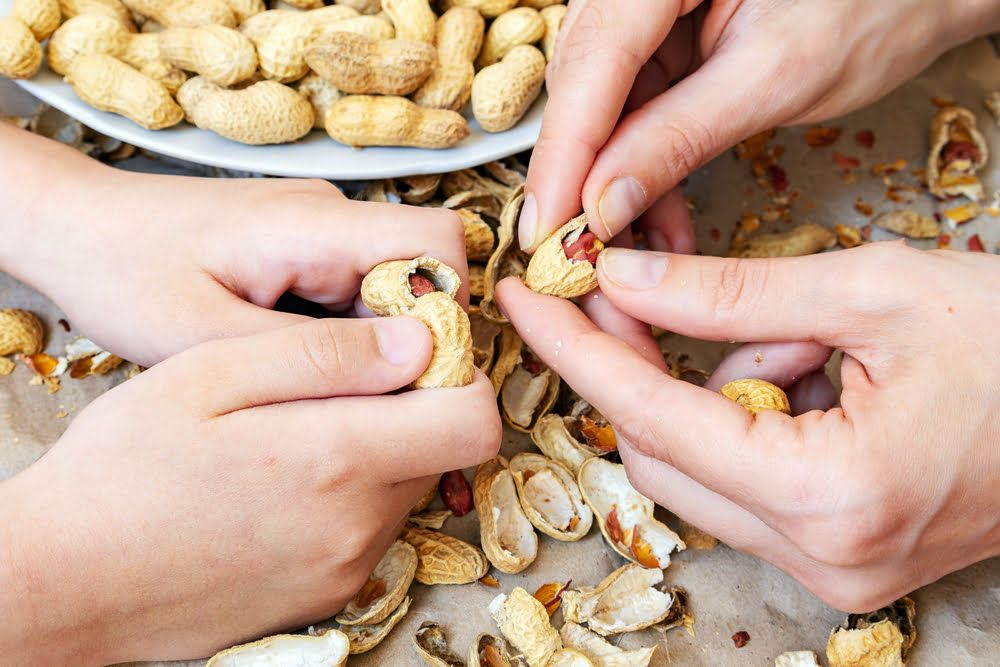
(404,342)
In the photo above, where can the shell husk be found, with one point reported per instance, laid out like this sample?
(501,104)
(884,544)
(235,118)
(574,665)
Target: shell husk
(805,239)
(476,274)
(796,659)
(507,259)
(364,638)
(902,612)
(508,538)
(550,497)
(757,395)
(509,173)
(328,649)
(599,651)
(469,180)
(960,179)
(908,223)
(443,559)
(569,657)
(524,621)
(625,601)
(879,645)
(694,537)
(451,362)
(484,340)
(605,487)
(501,648)
(479,237)
(432,520)
(553,437)
(418,189)
(386,288)
(425,500)
(550,271)
(524,398)
(432,646)
(396,569)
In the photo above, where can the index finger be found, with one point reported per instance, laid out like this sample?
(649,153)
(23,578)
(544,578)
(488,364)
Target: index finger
(598,57)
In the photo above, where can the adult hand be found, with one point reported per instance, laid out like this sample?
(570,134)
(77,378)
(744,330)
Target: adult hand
(861,503)
(640,97)
(149,265)
(243,487)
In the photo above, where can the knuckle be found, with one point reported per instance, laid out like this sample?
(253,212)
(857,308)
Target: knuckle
(329,351)
(733,290)
(688,143)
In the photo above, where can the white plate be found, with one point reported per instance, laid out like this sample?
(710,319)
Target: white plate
(315,156)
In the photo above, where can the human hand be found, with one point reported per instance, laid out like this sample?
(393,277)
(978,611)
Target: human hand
(861,503)
(150,265)
(640,97)
(266,491)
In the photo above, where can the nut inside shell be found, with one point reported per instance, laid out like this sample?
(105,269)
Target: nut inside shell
(389,290)
(385,589)
(492,651)
(625,601)
(958,152)
(527,388)
(507,536)
(550,497)
(563,264)
(524,621)
(432,646)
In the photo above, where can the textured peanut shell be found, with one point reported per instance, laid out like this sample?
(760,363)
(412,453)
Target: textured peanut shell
(553,17)
(552,436)
(448,87)
(324,17)
(626,600)
(184,13)
(396,568)
(521,394)
(366,120)
(902,613)
(508,538)
(550,271)
(432,646)
(540,4)
(599,651)
(546,489)
(443,559)
(451,362)
(507,258)
(329,649)
(108,84)
(940,131)
(433,520)
(500,650)
(41,16)
(87,33)
(418,189)
(364,638)
(503,92)
(222,55)
(21,332)
(694,537)
(569,657)
(113,8)
(479,238)
(478,202)
(305,4)
(879,645)
(513,28)
(363,6)
(796,659)
(425,500)
(908,223)
(386,288)
(805,239)
(281,38)
(20,53)
(992,104)
(469,180)
(509,172)
(756,395)
(524,621)
(476,273)
(266,112)
(373,27)
(320,93)
(143,53)
(359,64)
(484,337)
(459,35)
(244,9)
(488,8)
(413,19)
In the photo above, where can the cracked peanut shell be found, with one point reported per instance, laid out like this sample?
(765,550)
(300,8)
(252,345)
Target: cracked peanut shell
(958,152)
(364,638)
(329,649)
(527,388)
(550,271)
(479,237)
(443,559)
(902,612)
(625,601)
(491,651)
(524,622)
(484,339)
(550,497)
(507,258)
(599,651)
(21,332)
(507,536)
(796,659)
(756,395)
(392,578)
(908,223)
(386,289)
(878,645)
(432,646)
(806,239)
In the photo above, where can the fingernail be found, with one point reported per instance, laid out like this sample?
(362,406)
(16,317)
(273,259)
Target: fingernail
(527,223)
(633,269)
(398,340)
(657,241)
(622,202)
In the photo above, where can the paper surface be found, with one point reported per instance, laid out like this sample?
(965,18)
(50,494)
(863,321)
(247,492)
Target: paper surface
(729,591)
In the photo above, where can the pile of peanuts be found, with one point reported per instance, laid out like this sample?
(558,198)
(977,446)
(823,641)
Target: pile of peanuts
(369,72)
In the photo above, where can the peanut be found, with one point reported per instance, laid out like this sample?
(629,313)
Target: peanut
(21,332)
(488,8)
(413,19)
(374,27)
(757,395)
(143,53)
(539,4)
(502,93)
(564,263)
(108,84)
(553,17)
(41,16)
(281,37)
(443,559)
(221,55)
(321,94)
(266,112)
(805,239)
(87,33)
(459,37)
(20,52)
(112,8)
(305,4)
(523,25)
(357,64)
(364,120)
(184,13)
(244,9)
(362,6)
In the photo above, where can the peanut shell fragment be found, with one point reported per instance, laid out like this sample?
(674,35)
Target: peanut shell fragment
(599,651)
(21,332)
(490,651)
(958,152)
(757,395)
(507,258)
(393,574)
(806,239)
(554,270)
(527,388)
(796,659)
(328,649)
(879,645)
(507,536)
(443,559)
(908,223)
(484,338)
(524,621)
(625,601)
(432,646)
(364,638)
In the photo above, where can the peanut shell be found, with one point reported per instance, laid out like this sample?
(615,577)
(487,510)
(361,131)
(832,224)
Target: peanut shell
(804,239)
(432,646)
(20,53)
(694,537)
(552,436)
(484,340)
(524,397)
(625,601)
(958,178)
(373,27)
(222,55)
(364,638)
(21,332)
(112,8)
(443,559)
(414,19)
(41,16)
(550,497)
(108,84)
(386,288)
(359,64)
(517,27)
(569,657)
(329,649)
(757,395)
(599,651)
(550,271)
(503,92)
(87,33)
(143,53)
(796,659)
(479,238)
(183,13)
(367,120)
(281,38)
(395,570)
(244,9)
(490,651)
(459,35)
(908,223)
(476,273)
(553,16)
(507,536)
(879,645)
(524,621)
(417,189)
(320,93)
(992,104)
(507,258)
(432,520)
(469,180)
(902,612)
(425,500)
(488,8)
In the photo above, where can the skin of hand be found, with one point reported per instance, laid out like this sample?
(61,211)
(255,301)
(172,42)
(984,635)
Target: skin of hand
(265,493)
(861,503)
(639,98)
(149,265)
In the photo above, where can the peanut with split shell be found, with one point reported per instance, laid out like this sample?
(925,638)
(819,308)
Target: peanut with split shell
(367,120)
(459,36)
(508,538)
(108,84)
(221,55)
(503,92)
(601,652)
(21,332)
(550,497)
(527,388)
(513,28)
(358,64)
(625,601)
(443,559)
(386,587)
(757,395)
(958,152)
(20,52)
(564,263)
(432,646)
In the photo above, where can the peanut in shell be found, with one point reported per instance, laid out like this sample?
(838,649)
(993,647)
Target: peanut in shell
(108,84)
(443,559)
(20,52)
(359,64)
(553,16)
(947,175)
(413,19)
(507,259)
(756,395)
(41,16)
(517,27)
(503,92)
(369,120)
(222,55)
(551,272)
(21,332)
(87,33)
(601,652)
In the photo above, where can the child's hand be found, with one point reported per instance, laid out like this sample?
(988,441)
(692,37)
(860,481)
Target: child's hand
(243,487)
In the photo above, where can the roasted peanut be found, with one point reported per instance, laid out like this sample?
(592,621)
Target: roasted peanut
(87,33)
(41,16)
(523,25)
(21,332)
(357,64)
(113,8)
(143,53)
(221,55)
(20,52)
(184,13)
(502,93)
(362,6)
(805,239)
(443,559)
(244,9)
(365,120)
(413,19)
(459,38)
(108,84)
(756,395)
(488,8)
(281,37)
(553,17)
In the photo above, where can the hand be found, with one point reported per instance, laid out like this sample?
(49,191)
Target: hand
(267,489)
(640,97)
(861,503)
(148,265)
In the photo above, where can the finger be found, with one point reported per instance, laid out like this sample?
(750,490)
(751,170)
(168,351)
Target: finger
(629,330)
(782,364)
(315,359)
(667,224)
(600,52)
(813,392)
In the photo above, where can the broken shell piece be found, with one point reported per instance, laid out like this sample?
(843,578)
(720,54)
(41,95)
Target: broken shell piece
(958,151)
(475,201)
(564,263)
(506,173)
(484,339)
(491,651)
(805,239)
(425,500)
(388,289)
(627,600)
(443,559)
(385,589)
(599,651)
(626,516)
(469,180)
(479,237)
(879,645)
(329,649)
(527,388)
(508,538)
(524,622)
(796,659)
(694,537)
(432,520)
(20,331)
(507,259)
(418,189)
(550,497)
(364,638)
(679,616)
(552,436)
(757,395)
(909,223)
(476,272)
(568,657)
(992,104)
(902,612)
(432,646)
(54,124)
